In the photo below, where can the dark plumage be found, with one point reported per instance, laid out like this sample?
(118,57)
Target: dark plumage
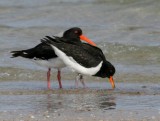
(80,53)
(83,54)
(44,55)
(41,51)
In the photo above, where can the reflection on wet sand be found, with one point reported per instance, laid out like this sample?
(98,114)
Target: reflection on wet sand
(53,102)
(107,102)
(17,102)
(79,102)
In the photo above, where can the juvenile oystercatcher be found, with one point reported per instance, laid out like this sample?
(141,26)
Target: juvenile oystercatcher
(82,57)
(44,55)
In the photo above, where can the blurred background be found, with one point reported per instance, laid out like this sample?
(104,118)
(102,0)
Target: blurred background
(128,32)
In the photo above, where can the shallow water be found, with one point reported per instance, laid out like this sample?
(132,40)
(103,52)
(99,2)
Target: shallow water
(126,30)
(29,100)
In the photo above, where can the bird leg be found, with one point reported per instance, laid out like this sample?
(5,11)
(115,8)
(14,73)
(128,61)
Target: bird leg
(48,78)
(59,78)
(80,78)
(76,81)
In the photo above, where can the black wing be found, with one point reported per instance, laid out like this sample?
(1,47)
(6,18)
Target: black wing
(78,51)
(95,51)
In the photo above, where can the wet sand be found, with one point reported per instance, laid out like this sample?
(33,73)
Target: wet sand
(31,101)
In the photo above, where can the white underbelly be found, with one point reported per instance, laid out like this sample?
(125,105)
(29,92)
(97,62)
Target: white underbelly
(71,63)
(51,63)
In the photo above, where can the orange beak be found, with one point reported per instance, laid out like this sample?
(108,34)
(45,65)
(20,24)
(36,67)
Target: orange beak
(112,82)
(82,37)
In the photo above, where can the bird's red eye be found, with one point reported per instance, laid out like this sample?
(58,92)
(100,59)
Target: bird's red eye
(75,32)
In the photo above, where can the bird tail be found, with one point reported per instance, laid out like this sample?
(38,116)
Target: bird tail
(17,53)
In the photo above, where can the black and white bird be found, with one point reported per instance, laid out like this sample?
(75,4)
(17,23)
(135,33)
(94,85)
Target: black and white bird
(44,55)
(82,57)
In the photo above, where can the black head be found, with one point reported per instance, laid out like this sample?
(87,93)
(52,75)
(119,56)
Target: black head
(107,70)
(74,32)
(110,71)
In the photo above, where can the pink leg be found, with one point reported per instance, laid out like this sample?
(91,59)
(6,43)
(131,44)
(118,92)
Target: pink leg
(79,77)
(76,81)
(82,81)
(48,78)
(59,78)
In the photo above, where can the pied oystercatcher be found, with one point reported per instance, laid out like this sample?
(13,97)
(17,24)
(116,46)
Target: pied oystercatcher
(82,57)
(44,55)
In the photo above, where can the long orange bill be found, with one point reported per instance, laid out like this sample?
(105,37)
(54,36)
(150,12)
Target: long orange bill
(82,37)
(112,82)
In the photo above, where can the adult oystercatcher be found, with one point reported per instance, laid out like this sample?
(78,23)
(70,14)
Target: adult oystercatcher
(82,57)
(44,55)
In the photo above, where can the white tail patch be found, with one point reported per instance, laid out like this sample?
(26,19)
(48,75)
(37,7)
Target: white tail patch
(25,53)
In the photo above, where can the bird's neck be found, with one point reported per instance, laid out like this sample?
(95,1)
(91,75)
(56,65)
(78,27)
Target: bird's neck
(101,72)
